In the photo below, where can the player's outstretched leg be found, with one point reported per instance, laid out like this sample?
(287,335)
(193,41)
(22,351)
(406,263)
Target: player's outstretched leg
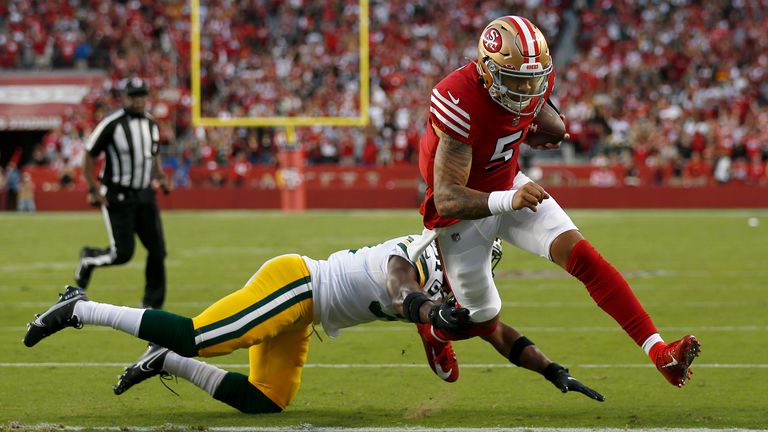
(57,317)
(674,360)
(440,354)
(151,363)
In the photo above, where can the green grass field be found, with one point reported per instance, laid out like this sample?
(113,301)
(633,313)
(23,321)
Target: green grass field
(704,272)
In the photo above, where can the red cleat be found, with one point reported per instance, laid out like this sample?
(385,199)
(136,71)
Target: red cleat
(674,360)
(440,355)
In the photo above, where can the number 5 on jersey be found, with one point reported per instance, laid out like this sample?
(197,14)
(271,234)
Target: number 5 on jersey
(504,150)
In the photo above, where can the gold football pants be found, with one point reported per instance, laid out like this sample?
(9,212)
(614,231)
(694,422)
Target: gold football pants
(271,316)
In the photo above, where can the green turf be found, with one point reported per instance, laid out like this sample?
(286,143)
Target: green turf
(704,272)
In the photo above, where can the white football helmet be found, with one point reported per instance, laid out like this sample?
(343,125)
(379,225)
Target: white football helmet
(514,63)
(430,272)
(429,268)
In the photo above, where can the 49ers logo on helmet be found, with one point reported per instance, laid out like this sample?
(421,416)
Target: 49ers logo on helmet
(492,40)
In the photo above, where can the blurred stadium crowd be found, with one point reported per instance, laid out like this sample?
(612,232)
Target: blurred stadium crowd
(666,92)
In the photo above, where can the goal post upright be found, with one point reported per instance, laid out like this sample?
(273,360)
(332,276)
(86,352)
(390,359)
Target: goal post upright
(290,157)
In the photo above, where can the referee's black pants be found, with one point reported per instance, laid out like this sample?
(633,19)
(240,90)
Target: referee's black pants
(130,212)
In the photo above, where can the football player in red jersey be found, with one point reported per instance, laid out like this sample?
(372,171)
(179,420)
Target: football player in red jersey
(479,116)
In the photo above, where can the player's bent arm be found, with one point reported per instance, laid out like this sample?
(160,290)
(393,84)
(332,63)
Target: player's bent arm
(402,280)
(410,302)
(453,199)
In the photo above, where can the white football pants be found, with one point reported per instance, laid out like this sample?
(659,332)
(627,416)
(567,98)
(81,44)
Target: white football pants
(465,248)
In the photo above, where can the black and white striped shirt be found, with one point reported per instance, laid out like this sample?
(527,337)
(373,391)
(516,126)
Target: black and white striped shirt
(129,142)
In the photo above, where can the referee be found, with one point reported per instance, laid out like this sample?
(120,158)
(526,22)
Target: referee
(128,139)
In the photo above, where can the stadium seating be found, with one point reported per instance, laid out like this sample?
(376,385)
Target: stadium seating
(663,93)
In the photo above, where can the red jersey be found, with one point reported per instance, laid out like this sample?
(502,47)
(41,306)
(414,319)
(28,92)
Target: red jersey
(462,109)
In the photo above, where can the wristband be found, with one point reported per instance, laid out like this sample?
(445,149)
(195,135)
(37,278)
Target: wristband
(412,305)
(552,370)
(500,202)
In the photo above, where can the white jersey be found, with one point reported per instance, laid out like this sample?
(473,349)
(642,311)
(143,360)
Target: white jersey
(350,287)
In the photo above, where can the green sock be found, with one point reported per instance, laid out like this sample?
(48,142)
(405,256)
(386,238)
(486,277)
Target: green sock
(168,330)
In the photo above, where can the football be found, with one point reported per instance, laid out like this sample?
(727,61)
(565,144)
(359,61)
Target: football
(547,128)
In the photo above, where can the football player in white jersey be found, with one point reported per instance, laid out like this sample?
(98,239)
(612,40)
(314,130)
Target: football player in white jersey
(273,314)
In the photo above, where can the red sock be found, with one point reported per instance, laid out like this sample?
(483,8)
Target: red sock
(654,352)
(610,291)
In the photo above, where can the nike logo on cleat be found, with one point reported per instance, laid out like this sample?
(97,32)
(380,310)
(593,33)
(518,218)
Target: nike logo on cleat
(674,362)
(441,373)
(439,369)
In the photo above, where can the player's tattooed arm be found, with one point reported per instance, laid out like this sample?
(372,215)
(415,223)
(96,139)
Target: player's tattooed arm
(453,199)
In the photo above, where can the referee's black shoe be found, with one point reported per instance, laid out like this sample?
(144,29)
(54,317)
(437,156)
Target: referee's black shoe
(83,270)
(57,317)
